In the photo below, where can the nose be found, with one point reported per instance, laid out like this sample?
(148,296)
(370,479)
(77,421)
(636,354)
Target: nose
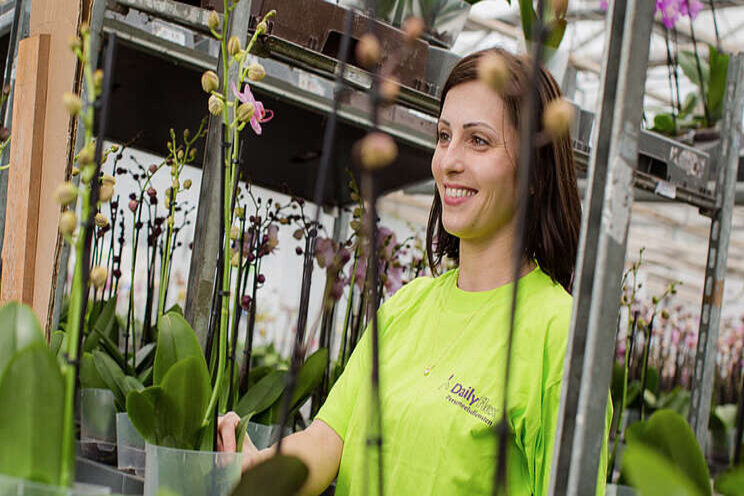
(453,159)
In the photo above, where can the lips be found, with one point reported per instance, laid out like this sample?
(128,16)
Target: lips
(456,194)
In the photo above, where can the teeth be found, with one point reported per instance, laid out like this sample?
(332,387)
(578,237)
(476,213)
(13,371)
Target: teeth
(458,192)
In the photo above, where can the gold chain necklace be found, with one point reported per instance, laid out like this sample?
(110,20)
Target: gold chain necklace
(453,341)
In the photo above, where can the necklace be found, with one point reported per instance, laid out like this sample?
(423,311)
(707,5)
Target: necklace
(453,341)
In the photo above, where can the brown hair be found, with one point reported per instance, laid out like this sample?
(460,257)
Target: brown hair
(553,207)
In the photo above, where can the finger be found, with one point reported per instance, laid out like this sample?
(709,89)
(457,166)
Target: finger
(227,432)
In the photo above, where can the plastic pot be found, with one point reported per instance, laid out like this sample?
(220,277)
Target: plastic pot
(18,487)
(262,435)
(130,446)
(190,473)
(98,425)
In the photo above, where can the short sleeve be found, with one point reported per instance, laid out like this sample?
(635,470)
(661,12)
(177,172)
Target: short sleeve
(338,407)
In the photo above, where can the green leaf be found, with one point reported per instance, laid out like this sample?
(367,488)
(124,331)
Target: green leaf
(145,357)
(731,482)
(176,341)
(103,326)
(555,36)
(112,375)
(688,64)
(280,475)
(89,375)
(663,123)
(669,437)
(652,474)
(186,385)
(55,343)
(258,373)
(688,106)
(31,405)
(716,87)
(146,376)
(241,431)
(528,16)
(18,329)
(142,409)
(175,308)
(263,394)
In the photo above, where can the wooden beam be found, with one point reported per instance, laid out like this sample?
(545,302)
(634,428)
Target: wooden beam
(26,166)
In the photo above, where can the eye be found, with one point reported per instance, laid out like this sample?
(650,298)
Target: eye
(443,136)
(478,141)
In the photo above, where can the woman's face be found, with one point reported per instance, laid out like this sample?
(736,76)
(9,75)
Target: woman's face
(473,164)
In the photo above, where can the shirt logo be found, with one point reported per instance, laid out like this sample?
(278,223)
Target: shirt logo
(467,398)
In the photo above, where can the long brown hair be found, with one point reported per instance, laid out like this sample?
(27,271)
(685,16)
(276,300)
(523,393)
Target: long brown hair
(553,207)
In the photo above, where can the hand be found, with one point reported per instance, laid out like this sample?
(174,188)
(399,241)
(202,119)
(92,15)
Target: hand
(226,439)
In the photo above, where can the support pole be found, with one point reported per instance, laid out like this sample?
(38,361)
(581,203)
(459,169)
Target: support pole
(587,254)
(606,243)
(206,235)
(718,244)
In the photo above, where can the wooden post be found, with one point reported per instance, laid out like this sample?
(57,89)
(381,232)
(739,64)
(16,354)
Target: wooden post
(26,166)
(30,275)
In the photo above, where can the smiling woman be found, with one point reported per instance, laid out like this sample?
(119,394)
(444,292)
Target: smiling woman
(444,340)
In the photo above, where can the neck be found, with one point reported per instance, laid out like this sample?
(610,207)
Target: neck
(488,264)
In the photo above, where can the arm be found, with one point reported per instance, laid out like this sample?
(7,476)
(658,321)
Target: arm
(318,446)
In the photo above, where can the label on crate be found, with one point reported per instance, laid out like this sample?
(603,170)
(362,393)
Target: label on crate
(665,189)
(168,33)
(310,83)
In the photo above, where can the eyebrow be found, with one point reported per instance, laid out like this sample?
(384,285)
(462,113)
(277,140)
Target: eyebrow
(470,124)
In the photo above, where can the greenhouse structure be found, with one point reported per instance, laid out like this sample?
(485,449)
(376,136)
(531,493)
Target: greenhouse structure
(372,247)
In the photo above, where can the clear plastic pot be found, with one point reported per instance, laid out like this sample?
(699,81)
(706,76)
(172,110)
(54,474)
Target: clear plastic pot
(262,435)
(18,487)
(190,473)
(98,425)
(130,446)
(444,19)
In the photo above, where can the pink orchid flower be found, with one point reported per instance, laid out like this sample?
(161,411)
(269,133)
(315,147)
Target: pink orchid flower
(261,115)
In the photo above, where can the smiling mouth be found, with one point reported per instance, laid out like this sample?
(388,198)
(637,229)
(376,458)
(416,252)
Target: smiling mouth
(451,192)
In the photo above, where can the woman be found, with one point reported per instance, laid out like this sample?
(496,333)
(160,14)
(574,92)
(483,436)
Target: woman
(443,339)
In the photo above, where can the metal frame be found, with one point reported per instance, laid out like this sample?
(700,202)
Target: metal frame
(718,245)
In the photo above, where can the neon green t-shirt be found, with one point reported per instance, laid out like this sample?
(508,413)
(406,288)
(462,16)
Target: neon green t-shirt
(438,428)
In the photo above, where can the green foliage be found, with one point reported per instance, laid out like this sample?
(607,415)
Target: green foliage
(262,395)
(308,379)
(731,482)
(31,400)
(663,457)
(105,324)
(241,431)
(280,475)
(18,329)
(114,378)
(89,375)
(176,341)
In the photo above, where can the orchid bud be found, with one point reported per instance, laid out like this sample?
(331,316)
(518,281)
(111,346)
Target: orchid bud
(101,220)
(557,117)
(665,314)
(389,90)
(377,150)
(151,191)
(233,45)
(235,258)
(65,193)
(262,28)
(559,8)
(75,171)
(171,221)
(105,193)
(73,104)
(133,205)
(413,27)
(213,21)
(215,105)
(87,155)
(98,81)
(4,133)
(256,72)
(298,250)
(187,184)
(167,200)
(108,179)
(245,302)
(180,155)
(234,232)
(655,300)
(368,50)
(87,173)
(98,276)
(493,71)
(75,43)
(239,211)
(245,112)
(67,222)
(355,225)
(210,81)
(261,278)
(175,185)
(298,234)
(153,168)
